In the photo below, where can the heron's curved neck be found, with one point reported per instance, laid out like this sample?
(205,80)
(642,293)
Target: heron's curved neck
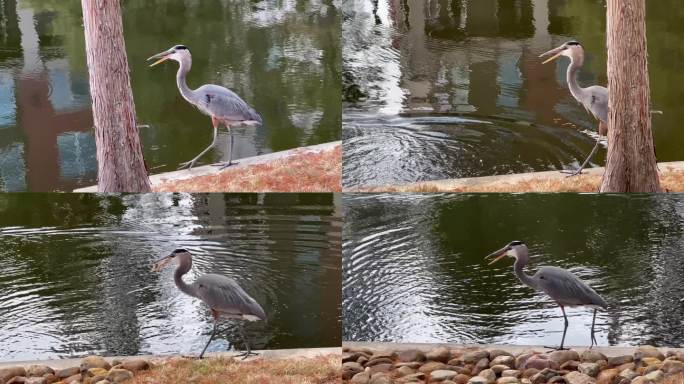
(524,278)
(185,66)
(573,70)
(184,265)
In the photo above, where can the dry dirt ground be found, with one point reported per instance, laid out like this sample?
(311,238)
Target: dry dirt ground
(321,370)
(670,179)
(305,172)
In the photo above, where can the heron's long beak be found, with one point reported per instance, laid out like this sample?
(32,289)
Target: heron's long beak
(498,255)
(161,263)
(556,53)
(160,57)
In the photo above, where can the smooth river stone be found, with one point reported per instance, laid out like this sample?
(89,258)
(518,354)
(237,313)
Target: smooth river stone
(579,378)
(442,374)
(649,351)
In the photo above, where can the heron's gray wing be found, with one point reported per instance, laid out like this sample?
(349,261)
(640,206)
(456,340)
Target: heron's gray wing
(597,102)
(225,104)
(225,295)
(566,288)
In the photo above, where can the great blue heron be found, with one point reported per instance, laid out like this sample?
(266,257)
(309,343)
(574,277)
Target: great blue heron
(222,294)
(561,285)
(594,98)
(221,104)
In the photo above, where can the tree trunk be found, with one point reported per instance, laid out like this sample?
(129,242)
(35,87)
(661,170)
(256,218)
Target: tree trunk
(121,167)
(631,164)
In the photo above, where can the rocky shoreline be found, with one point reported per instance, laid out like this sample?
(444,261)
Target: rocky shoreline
(445,365)
(92,370)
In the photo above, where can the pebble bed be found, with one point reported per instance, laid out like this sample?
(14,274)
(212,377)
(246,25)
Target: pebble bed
(93,370)
(645,365)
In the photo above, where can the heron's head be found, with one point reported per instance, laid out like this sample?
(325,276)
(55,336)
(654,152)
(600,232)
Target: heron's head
(177,53)
(515,249)
(571,49)
(175,255)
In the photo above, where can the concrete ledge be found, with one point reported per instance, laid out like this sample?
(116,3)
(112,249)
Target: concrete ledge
(513,349)
(475,184)
(272,354)
(206,170)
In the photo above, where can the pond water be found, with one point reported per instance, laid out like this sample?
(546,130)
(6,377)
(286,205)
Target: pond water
(454,88)
(76,272)
(414,268)
(282,57)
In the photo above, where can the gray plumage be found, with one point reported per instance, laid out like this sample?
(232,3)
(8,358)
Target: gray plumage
(593,98)
(566,289)
(222,294)
(561,285)
(224,106)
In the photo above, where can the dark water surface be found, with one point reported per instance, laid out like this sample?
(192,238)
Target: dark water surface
(452,88)
(76,279)
(282,57)
(414,268)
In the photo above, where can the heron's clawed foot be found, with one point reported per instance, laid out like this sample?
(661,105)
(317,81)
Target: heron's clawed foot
(557,348)
(571,173)
(187,165)
(223,166)
(245,355)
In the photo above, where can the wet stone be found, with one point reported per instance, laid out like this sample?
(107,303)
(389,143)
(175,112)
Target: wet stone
(589,369)
(649,351)
(474,356)
(410,355)
(404,371)
(489,375)
(432,366)
(481,365)
(560,357)
(672,367)
(507,380)
(590,356)
(442,374)
(361,378)
(379,360)
(67,372)
(499,368)
(557,380)
(511,373)
(349,369)
(94,362)
(506,360)
(628,373)
(38,370)
(477,380)
(441,354)
(619,360)
(380,368)
(380,378)
(119,375)
(578,378)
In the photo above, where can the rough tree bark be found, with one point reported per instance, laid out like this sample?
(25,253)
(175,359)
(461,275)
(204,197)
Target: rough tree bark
(631,164)
(121,167)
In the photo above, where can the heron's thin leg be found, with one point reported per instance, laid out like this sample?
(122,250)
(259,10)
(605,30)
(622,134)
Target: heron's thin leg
(191,163)
(230,156)
(249,352)
(584,164)
(564,331)
(213,333)
(593,336)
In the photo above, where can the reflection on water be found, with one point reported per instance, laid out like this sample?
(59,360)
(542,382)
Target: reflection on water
(76,273)
(281,57)
(414,268)
(480,59)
